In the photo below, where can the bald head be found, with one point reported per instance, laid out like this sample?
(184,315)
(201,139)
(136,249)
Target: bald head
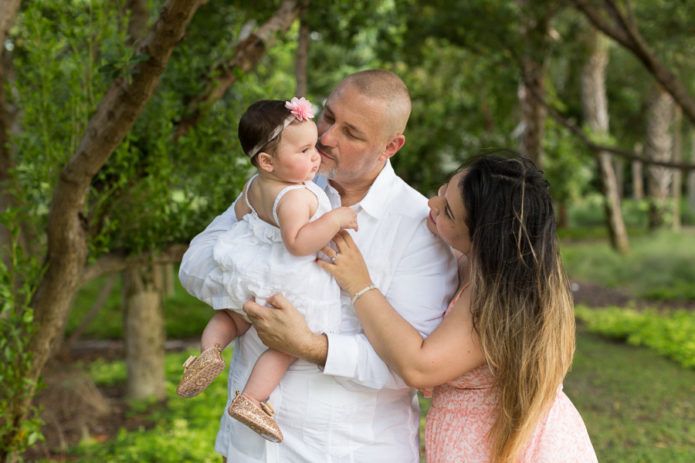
(387,87)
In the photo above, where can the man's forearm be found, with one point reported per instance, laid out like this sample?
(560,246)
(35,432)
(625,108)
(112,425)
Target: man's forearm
(315,349)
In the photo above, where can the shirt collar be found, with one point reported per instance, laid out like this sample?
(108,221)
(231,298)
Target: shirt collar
(373,202)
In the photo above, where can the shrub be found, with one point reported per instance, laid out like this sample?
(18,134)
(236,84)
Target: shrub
(671,335)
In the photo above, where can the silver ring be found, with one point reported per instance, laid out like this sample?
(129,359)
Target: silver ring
(334,258)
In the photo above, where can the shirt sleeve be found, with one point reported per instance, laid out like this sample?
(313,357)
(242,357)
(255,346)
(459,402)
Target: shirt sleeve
(424,280)
(198,269)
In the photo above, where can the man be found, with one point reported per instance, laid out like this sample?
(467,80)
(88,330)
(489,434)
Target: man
(339,402)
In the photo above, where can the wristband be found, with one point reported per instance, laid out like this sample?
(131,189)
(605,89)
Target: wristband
(361,292)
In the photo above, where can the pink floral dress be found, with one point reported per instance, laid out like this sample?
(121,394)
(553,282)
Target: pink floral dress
(463,411)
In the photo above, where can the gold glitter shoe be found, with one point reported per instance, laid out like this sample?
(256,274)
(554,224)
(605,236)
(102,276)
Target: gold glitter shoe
(260,419)
(199,372)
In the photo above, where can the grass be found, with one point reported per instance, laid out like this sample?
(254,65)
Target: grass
(638,406)
(184,430)
(659,266)
(184,316)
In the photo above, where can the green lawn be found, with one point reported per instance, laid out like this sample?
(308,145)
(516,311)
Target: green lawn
(638,406)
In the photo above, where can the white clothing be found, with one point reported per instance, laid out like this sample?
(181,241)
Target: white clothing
(356,409)
(254,262)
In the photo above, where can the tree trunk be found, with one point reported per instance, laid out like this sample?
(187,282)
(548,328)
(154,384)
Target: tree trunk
(677,184)
(623,29)
(137,25)
(302,58)
(691,175)
(637,179)
(8,13)
(143,327)
(659,145)
(534,29)
(619,169)
(532,113)
(595,108)
(169,280)
(67,227)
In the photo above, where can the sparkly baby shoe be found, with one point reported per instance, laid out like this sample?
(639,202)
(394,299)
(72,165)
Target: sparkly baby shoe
(259,419)
(198,372)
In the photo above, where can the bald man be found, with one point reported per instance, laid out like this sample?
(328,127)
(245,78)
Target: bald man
(339,402)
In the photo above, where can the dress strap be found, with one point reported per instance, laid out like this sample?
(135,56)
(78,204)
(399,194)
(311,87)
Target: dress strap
(279,197)
(456,297)
(246,193)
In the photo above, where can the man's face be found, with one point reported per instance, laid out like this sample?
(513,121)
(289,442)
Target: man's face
(351,136)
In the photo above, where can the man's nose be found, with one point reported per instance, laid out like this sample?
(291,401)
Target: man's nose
(326,137)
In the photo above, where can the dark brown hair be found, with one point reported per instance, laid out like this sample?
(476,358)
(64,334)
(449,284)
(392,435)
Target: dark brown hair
(257,124)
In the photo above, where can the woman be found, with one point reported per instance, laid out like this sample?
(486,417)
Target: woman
(498,358)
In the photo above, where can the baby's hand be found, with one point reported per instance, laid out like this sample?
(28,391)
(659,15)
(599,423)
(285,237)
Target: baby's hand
(346,217)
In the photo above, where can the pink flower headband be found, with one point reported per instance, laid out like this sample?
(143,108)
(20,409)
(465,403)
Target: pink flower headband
(300,109)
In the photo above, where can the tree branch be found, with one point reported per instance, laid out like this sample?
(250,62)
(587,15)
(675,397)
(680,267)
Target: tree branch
(627,34)
(594,16)
(247,54)
(117,262)
(66,230)
(597,148)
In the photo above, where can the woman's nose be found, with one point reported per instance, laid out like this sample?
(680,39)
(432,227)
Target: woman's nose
(433,205)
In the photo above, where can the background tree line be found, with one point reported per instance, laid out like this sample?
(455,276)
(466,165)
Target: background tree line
(118,130)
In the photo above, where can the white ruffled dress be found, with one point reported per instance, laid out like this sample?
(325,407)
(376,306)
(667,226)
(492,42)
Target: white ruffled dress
(255,263)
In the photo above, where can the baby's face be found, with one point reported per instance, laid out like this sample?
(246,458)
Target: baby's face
(296,159)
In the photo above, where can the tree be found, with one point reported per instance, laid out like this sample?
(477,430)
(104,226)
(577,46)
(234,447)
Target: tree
(659,146)
(66,232)
(596,117)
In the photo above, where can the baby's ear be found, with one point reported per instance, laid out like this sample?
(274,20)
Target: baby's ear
(265,161)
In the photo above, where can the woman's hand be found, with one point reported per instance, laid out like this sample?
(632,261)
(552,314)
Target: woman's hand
(347,265)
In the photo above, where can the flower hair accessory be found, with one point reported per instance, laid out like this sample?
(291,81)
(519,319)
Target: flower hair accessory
(300,108)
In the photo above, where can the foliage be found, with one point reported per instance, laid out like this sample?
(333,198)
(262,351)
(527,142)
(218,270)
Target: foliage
(17,327)
(672,335)
(183,430)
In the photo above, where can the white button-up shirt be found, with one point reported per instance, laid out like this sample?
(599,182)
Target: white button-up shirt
(356,409)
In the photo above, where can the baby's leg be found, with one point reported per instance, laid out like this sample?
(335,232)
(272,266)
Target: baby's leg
(222,328)
(266,374)
(200,371)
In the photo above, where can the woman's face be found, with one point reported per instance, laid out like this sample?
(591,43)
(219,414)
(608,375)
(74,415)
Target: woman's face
(447,217)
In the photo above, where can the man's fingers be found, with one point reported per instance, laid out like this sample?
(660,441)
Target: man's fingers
(252,309)
(279,301)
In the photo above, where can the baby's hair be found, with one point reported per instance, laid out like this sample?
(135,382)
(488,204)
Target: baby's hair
(257,124)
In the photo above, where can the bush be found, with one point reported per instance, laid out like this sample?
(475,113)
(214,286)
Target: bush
(671,335)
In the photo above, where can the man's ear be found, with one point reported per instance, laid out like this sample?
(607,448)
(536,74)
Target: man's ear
(265,161)
(393,145)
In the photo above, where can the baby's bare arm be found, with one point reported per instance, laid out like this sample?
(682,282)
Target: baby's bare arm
(302,237)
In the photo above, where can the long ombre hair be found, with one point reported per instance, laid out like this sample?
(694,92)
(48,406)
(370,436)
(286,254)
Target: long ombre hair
(522,308)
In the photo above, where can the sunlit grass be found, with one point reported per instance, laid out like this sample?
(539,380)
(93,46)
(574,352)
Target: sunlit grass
(659,266)
(184,429)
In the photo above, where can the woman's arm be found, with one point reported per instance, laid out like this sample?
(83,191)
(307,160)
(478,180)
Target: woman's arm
(451,350)
(302,237)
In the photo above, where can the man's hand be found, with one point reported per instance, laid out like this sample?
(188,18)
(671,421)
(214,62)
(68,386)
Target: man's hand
(282,327)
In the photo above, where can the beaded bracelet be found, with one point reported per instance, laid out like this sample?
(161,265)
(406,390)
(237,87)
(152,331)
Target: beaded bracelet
(361,292)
